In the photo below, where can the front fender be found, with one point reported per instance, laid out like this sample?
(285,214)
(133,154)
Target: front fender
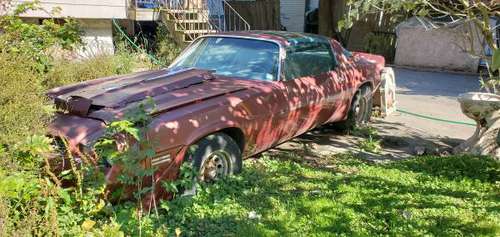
(210,129)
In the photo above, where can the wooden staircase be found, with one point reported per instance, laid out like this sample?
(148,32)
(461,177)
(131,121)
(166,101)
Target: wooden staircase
(186,25)
(186,20)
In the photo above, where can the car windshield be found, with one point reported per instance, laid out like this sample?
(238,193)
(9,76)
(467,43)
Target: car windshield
(245,58)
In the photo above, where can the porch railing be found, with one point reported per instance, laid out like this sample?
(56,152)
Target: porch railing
(233,21)
(197,15)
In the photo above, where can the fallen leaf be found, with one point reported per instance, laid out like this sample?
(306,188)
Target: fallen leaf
(87,225)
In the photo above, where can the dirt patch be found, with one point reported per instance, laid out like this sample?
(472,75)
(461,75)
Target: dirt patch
(397,141)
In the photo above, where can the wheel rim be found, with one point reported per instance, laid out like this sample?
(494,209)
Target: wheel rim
(215,167)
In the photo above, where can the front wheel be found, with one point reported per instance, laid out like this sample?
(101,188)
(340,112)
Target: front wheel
(215,157)
(360,111)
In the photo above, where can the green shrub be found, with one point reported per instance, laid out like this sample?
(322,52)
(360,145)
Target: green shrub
(23,107)
(166,48)
(68,72)
(34,40)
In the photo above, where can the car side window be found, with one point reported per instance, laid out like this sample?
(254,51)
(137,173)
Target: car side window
(312,59)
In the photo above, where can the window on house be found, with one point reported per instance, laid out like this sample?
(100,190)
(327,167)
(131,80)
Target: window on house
(311,59)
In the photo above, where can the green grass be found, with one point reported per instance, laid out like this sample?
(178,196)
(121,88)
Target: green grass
(454,196)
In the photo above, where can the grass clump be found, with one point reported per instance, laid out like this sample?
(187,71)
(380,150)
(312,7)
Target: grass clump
(370,139)
(68,72)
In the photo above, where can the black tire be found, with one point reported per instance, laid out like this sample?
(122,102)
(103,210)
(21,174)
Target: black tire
(215,157)
(360,111)
(368,95)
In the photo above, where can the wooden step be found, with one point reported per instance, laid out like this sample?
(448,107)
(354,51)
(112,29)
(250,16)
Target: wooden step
(184,16)
(191,21)
(185,10)
(187,25)
(200,31)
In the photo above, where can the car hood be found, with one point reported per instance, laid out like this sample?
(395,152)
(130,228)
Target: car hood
(108,99)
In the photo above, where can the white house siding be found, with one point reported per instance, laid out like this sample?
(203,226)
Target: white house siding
(86,9)
(97,38)
(292,14)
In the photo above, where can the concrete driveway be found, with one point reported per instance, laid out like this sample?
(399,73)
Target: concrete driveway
(433,94)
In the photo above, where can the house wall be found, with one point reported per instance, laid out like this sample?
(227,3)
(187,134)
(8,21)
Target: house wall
(97,37)
(86,9)
(292,14)
(442,48)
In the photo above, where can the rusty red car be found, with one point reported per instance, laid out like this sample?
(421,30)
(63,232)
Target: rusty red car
(230,96)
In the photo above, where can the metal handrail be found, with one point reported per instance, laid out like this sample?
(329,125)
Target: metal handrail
(237,18)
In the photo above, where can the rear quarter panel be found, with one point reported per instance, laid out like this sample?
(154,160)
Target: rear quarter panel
(358,69)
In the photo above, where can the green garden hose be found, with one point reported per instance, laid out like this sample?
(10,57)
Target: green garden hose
(435,119)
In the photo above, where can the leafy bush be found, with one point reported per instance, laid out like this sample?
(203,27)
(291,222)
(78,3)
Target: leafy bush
(23,60)
(166,47)
(32,40)
(32,199)
(23,107)
(68,72)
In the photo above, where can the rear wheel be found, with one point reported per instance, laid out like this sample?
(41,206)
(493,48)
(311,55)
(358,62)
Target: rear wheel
(360,111)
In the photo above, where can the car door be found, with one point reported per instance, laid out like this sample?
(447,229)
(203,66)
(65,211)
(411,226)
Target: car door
(311,87)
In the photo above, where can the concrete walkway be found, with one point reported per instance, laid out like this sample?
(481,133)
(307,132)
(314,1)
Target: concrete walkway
(433,94)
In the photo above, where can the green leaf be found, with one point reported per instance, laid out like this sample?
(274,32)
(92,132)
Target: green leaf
(63,193)
(87,225)
(495,63)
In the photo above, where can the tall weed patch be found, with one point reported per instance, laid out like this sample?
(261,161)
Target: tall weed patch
(23,107)
(68,72)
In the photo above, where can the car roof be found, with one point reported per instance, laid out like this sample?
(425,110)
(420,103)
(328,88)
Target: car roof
(287,39)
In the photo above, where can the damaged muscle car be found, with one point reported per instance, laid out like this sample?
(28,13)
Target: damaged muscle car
(229,96)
